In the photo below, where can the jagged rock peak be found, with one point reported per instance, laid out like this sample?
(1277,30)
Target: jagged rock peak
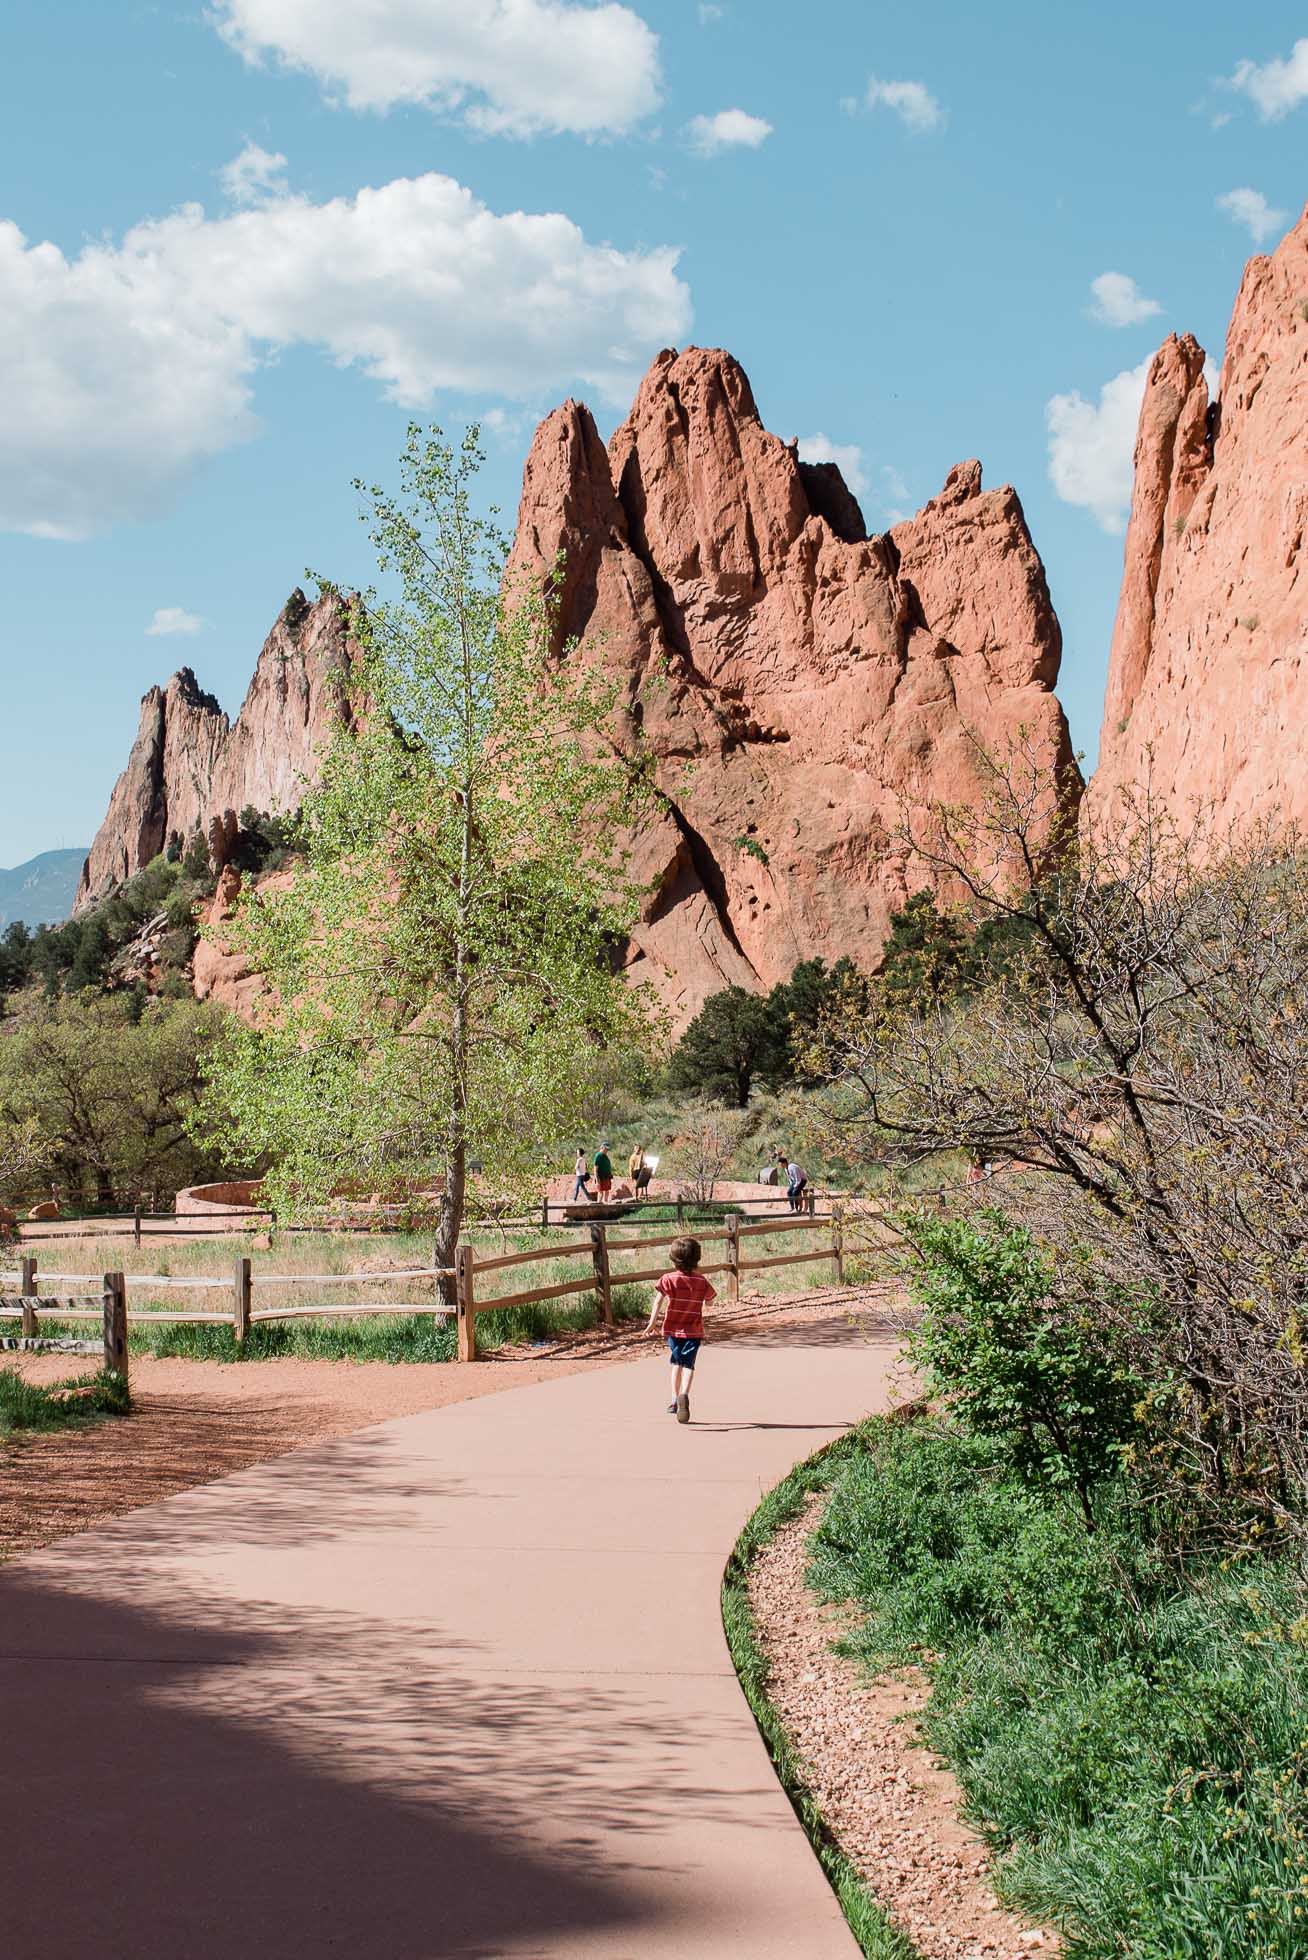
(189,765)
(789,678)
(1207,690)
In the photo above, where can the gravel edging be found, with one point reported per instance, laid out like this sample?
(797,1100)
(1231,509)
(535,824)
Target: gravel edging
(885,1817)
(878,1938)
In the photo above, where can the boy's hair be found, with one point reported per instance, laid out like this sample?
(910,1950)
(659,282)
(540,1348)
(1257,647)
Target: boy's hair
(685,1254)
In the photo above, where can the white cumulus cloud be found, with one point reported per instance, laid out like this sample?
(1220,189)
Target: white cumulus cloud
(1275,87)
(912,102)
(847,456)
(730,129)
(1118,301)
(1092,446)
(1251,209)
(507,67)
(173,619)
(254,175)
(123,368)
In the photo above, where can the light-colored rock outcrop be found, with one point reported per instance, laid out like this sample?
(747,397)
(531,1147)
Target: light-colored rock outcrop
(1208,682)
(189,766)
(793,681)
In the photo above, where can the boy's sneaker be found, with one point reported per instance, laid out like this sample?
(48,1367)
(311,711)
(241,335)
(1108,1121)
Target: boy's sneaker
(683,1408)
(672,1408)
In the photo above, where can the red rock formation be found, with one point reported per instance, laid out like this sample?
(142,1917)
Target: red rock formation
(220,970)
(791,679)
(1209,667)
(188,766)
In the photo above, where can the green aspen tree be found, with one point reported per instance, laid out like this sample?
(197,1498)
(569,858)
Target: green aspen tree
(440,968)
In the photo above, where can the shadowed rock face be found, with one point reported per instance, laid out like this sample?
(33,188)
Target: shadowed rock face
(793,681)
(189,764)
(1208,682)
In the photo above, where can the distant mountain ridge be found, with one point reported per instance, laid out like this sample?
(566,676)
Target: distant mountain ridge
(41,892)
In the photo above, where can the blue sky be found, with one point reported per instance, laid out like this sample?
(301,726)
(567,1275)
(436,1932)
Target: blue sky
(206,331)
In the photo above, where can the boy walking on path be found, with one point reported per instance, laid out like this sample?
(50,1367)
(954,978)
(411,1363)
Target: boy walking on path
(682,1294)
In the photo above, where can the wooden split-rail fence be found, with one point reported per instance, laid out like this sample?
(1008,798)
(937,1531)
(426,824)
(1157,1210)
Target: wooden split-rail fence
(603,1252)
(108,1307)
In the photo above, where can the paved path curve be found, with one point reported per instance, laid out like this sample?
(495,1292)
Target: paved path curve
(452,1686)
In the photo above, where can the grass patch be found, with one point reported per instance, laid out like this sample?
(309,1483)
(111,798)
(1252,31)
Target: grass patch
(402,1337)
(24,1405)
(396,1338)
(877,1937)
(1132,1737)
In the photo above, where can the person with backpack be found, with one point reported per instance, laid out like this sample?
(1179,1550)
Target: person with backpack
(640,1170)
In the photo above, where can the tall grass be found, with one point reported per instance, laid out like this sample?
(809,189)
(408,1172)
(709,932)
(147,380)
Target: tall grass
(1133,1738)
(23,1405)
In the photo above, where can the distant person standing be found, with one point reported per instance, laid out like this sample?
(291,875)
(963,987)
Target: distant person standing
(580,1176)
(603,1170)
(796,1182)
(640,1171)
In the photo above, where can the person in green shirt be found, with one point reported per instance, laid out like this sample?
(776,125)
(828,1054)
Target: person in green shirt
(603,1170)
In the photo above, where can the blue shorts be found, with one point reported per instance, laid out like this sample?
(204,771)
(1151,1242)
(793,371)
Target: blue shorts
(682,1350)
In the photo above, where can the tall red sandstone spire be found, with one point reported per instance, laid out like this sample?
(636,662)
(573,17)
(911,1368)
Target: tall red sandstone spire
(1208,680)
(791,679)
(188,764)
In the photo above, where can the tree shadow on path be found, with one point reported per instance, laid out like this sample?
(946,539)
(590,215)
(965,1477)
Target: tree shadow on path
(180,1785)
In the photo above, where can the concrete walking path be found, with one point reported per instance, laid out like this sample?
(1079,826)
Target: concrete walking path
(452,1686)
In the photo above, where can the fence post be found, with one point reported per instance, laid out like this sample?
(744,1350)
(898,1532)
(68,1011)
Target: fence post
(545,1214)
(115,1324)
(27,1287)
(599,1252)
(465,1302)
(812,1202)
(241,1300)
(136,1221)
(838,1242)
(681,1213)
(733,1256)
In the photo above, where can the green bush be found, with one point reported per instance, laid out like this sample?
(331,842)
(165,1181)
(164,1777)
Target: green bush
(1133,1737)
(1014,1362)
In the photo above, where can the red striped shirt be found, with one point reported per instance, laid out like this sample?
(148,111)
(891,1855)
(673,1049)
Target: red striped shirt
(684,1296)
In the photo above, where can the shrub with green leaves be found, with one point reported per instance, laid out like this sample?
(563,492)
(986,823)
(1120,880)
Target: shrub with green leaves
(1017,1362)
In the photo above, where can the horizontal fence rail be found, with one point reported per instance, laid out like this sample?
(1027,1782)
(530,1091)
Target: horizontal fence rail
(257,1218)
(108,1306)
(606,1250)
